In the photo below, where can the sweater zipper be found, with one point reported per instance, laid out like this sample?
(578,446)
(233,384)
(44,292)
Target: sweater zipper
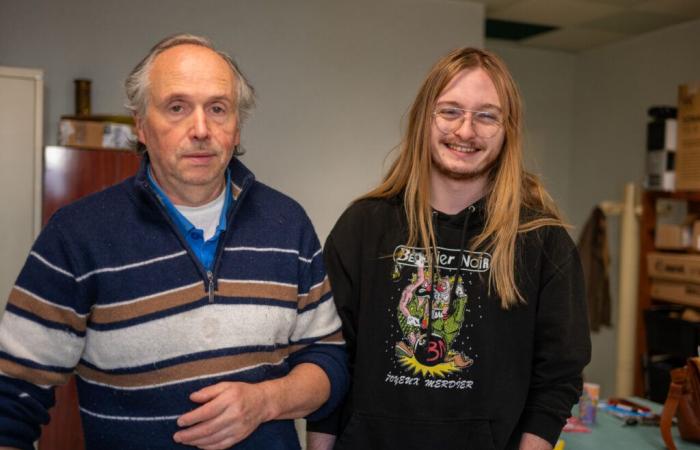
(210,277)
(224,236)
(208,274)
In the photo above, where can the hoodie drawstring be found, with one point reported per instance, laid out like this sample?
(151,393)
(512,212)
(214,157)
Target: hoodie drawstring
(453,291)
(458,275)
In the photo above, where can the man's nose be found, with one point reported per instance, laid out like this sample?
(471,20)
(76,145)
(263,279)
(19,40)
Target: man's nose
(200,126)
(466,128)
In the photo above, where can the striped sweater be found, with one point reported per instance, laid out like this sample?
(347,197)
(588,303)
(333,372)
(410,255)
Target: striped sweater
(111,292)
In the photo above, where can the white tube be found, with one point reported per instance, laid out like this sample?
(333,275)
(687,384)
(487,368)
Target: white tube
(628,282)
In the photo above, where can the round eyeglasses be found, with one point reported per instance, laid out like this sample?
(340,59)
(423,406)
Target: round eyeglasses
(449,119)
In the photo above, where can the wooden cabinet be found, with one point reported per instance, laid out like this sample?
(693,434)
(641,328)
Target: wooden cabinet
(69,174)
(647,230)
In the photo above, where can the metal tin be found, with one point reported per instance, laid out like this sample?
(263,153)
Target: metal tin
(82,97)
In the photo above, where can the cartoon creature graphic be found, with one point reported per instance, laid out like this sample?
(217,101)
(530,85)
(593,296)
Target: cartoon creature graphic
(429,327)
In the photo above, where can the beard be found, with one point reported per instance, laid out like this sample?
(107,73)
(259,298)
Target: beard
(464,175)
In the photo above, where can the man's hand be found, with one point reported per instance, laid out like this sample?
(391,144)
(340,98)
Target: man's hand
(319,441)
(231,411)
(531,441)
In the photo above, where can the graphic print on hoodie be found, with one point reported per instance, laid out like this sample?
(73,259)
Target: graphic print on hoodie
(434,317)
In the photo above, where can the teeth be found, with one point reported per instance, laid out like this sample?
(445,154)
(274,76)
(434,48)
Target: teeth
(462,148)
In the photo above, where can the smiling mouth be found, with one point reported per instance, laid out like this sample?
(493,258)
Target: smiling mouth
(469,148)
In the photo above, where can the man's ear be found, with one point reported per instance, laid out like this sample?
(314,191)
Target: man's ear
(138,123)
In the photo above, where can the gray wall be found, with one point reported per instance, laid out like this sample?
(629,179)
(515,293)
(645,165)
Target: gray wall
(615,85)
(334,77)
(546,82)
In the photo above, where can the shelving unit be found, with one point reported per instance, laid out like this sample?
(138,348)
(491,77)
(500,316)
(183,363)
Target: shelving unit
(646,230)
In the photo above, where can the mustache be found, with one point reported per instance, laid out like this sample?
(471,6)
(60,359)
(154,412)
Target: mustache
(467,143)
(200,147)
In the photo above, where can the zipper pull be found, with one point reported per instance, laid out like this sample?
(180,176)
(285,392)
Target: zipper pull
(210,277)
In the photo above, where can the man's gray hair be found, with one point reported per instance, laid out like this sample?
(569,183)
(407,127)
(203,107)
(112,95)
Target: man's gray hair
(137,83)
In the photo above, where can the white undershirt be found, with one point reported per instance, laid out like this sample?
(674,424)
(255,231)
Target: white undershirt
(205,217)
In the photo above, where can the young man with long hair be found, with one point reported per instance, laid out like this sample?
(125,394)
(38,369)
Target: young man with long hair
(460,291)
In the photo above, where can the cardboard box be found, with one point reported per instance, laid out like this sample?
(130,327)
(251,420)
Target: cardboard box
(672,211)
(672,237)
(695,238)
(688,141)
(677,292)
(661,174)
(674,266)
(95,134)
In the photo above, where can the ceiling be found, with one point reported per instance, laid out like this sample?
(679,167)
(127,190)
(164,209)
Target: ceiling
(575,25)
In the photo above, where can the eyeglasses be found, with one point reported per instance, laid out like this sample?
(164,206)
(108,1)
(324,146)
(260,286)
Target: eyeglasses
(449,119)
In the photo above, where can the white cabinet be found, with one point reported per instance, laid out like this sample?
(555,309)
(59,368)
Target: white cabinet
(21,111)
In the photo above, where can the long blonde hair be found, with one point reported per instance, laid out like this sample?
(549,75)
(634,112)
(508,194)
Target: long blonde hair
(509,189)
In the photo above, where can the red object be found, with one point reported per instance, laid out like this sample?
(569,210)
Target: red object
(627,404)
(574,425)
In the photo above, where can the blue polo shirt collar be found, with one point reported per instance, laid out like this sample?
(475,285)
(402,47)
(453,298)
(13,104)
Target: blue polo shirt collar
(205,251)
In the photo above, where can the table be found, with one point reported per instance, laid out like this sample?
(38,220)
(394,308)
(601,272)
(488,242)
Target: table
(609,433)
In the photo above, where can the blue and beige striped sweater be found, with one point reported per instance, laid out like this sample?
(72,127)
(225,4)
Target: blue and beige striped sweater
(111,292)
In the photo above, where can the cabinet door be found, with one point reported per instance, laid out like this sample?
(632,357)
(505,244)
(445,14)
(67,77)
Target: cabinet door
(69,174)
(20,169)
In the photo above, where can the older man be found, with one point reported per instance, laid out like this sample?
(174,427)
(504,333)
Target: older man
(191,300)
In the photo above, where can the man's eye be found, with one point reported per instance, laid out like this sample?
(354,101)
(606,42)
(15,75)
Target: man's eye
(450,113)
(176,108)
(218,109)
(486,117)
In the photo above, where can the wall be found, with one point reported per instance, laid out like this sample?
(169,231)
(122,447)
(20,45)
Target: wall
(334,78)
(615,85)
(546,82)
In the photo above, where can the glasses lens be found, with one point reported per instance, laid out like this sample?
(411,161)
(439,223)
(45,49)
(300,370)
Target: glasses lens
(485,124)
(485,130)
(449,120)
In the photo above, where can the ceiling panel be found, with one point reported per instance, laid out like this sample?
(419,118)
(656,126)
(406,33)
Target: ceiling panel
(583,24)
(632,22)
(557,13)
(689,9)
(623,3)
(491,4)
(572,39)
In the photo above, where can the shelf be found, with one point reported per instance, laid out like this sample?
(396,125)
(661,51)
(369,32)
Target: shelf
(646,300)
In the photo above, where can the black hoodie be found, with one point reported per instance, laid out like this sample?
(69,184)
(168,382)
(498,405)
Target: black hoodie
(441,365)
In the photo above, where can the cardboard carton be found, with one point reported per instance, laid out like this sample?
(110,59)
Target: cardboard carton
(674,266)
(676,292)
(688,141)
(695,239)
(672,237)
(95,134)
